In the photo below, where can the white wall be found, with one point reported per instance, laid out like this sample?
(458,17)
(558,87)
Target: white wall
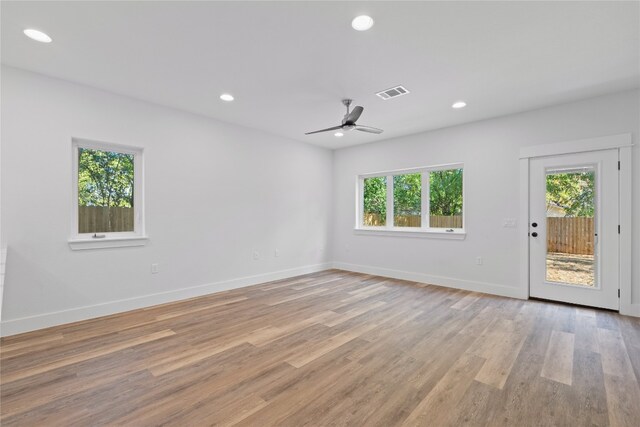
(490,151)
(214,192)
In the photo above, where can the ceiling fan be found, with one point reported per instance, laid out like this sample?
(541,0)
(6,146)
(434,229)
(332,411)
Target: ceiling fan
(349,121)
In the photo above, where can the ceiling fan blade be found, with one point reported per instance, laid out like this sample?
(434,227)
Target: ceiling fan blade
(354,115)
(368,129)
(324,130)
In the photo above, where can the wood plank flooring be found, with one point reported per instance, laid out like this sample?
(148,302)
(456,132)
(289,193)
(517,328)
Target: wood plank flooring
(331,348)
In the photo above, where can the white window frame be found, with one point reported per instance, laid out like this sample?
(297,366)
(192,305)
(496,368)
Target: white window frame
(424,230)
(137,237)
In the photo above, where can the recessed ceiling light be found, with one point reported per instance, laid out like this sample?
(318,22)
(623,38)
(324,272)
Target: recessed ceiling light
(362,23)
(459,104)
(339,134)
(226,97)
(38,36)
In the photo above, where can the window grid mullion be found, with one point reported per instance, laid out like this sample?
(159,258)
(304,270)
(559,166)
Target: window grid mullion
(360,190)
(425,200)
(389,218)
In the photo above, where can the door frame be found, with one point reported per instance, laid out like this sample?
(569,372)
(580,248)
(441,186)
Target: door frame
(623,143)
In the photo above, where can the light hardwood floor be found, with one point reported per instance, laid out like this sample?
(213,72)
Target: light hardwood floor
(332,348)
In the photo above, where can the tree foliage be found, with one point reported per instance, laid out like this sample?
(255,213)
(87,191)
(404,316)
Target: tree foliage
(445,195)
(574,192)
(407,196)
(375,196)
(105,178)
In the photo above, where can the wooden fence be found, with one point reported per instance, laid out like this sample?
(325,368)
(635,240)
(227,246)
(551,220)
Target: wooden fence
(573,235)
(566,235)
(414,221)
(98,219)
(570,235)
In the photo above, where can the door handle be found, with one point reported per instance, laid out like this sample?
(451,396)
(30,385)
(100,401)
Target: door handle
(534,234)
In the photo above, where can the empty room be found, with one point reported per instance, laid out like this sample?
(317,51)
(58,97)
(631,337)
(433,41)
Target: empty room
(320,213)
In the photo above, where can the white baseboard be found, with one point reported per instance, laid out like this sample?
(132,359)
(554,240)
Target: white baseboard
(449,282)
(31,323)
(630,309)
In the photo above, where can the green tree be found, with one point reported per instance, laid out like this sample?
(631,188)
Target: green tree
(407,195)
(573,191)
(445,192)
(105,178)
(375,199)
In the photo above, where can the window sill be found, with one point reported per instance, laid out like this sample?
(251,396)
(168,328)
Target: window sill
(458,234)
(107,242)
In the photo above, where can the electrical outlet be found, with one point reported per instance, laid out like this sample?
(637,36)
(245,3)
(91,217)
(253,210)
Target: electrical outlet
(276,253)
(155,268)
(256,255)
(479,260)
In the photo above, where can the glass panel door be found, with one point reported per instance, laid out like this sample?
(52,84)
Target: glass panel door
(573,228)
(571,234)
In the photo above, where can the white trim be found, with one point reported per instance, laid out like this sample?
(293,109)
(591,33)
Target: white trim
(523,228)
(103,145)
(359,196)
(111,242)
(425,203)
(625,237)
(630,310)
(389,221)
(428,233)
(576,146)
(3,267)
(31,323)
(407,171)
(138,193)
(389,229)
(622,142)
(449,282)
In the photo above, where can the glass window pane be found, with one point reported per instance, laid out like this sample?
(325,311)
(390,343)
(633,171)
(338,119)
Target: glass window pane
(407,200)
(375,201)
(445,198)
(105,191)
(570,226)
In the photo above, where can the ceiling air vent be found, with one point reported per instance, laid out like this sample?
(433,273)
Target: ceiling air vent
(393,92)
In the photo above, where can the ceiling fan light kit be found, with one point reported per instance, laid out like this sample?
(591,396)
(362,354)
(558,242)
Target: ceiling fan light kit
(349,121)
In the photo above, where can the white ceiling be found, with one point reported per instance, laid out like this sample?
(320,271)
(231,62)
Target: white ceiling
(290,63)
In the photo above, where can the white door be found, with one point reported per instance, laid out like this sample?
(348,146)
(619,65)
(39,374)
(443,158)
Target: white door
(573,228)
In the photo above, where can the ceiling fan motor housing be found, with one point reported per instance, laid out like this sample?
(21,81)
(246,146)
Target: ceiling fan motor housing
(349,121)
